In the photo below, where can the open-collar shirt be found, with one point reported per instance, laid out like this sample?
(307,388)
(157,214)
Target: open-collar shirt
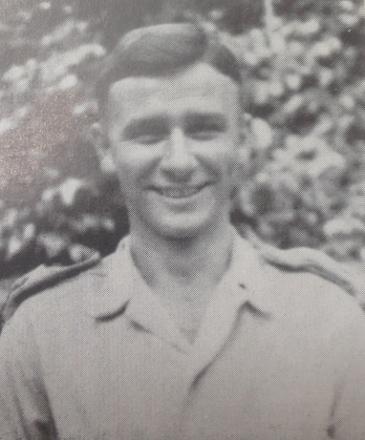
(279,355)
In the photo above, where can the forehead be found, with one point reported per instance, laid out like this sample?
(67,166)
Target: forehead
(200,87)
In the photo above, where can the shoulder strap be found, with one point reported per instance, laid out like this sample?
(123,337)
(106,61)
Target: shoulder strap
(316,262)
(39,279)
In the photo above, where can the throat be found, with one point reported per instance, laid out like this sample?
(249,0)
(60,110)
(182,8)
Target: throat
(184,275)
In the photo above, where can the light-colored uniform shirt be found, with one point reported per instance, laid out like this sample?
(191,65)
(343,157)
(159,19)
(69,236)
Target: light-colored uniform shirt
(279,355)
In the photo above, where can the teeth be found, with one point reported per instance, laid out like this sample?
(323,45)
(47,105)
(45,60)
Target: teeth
(177,193)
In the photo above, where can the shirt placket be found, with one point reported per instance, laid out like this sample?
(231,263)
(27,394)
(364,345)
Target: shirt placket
(215,333)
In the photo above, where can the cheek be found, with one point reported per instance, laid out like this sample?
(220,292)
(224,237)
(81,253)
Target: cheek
(134,166)
(220,165)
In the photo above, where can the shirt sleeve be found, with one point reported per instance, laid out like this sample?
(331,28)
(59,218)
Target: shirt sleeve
(349,409)
(24,411)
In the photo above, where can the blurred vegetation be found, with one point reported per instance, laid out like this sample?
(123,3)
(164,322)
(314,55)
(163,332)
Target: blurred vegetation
(306,105)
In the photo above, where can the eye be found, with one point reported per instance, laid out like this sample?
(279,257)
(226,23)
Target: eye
(205,132)
(149,137)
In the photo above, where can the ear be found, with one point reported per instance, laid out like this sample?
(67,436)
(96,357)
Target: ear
(98,138)
(246,143)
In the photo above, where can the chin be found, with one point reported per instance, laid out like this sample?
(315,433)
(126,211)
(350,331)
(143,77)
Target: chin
(184,230)
(180,234)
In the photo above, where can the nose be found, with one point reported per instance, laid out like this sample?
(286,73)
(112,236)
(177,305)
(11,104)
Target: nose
(178,162)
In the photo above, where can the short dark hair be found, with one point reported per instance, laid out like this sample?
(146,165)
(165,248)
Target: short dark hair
(162,49)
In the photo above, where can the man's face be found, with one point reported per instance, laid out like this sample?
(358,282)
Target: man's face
(175,142)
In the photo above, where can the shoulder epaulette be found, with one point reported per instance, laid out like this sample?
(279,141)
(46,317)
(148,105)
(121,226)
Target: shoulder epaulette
(314,261)
(39,279)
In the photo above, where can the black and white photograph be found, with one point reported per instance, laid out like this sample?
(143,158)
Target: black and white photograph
(182,220)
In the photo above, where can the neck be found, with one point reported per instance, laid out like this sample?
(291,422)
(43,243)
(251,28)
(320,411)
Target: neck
(183,265)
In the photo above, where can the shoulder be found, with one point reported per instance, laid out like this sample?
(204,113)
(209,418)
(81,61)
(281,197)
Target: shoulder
(303,287)
(309,293)
(313,268)
(58,281)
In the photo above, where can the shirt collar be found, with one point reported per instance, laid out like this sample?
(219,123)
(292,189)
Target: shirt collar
(252,275)
(116,288)
(248,274)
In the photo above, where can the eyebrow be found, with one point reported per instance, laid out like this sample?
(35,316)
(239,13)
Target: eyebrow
(197,119)
(148,123)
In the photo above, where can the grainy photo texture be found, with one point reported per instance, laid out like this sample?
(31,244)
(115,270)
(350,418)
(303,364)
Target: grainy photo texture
(182,220)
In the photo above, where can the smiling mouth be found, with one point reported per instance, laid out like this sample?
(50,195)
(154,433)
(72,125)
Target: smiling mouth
(179,192)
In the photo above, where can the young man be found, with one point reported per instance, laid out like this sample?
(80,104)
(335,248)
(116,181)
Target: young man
(185,332)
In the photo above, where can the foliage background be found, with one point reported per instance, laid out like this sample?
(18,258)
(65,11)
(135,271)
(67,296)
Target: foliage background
(306,76)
